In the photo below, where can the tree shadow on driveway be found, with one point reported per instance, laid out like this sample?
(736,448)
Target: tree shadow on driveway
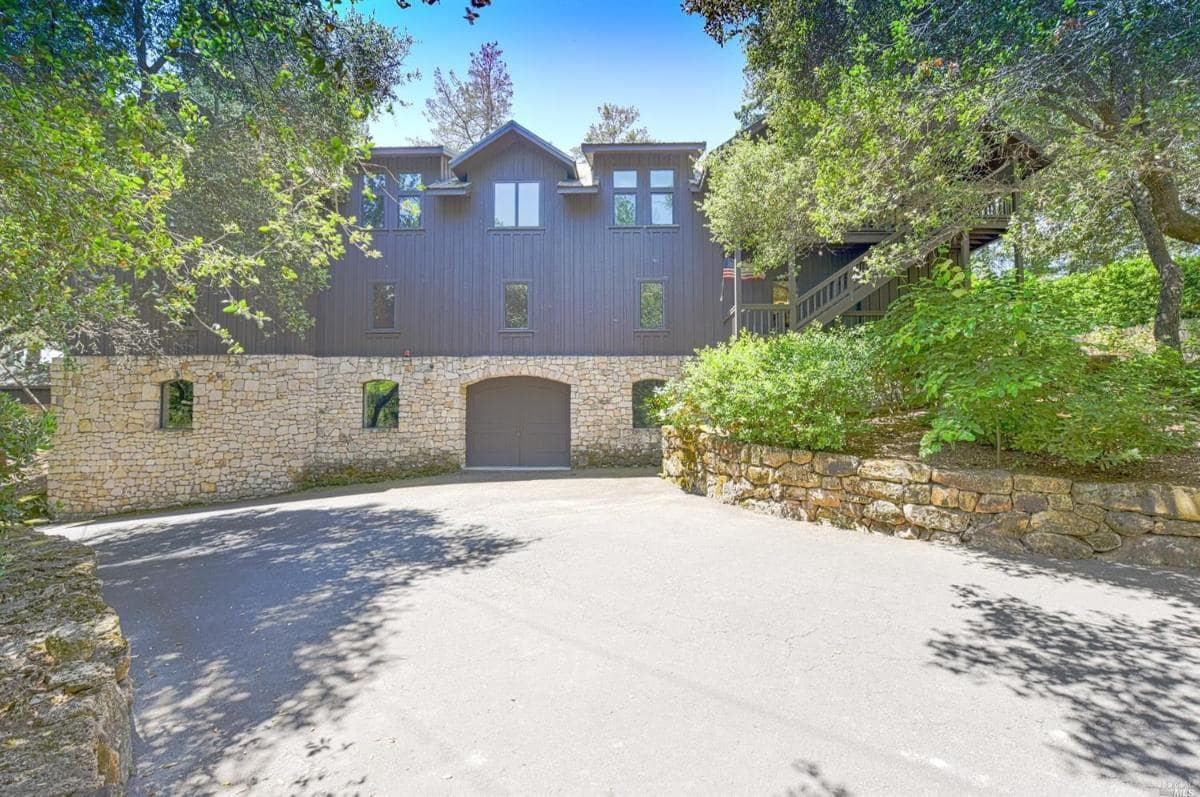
(1127,689)
(263,622)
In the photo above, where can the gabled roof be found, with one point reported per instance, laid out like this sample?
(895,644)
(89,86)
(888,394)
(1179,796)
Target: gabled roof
(654,146)
(512,127)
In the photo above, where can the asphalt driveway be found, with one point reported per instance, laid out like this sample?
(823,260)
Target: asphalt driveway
(602,632)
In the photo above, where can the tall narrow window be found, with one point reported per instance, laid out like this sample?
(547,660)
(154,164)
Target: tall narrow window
(662,196)
(408,200)
(651,309)
(176,405)
(374,188)
(644,416)
(516,305)
(518,204)
(381,404)
(624,197)
(383,305)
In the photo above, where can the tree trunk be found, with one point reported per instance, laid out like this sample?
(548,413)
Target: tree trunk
(1170,277)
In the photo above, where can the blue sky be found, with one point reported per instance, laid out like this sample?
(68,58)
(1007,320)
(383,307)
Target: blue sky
(568,56)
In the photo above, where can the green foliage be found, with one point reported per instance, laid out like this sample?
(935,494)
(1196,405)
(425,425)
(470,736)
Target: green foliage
(999,363)
(22,434)
(807,390)
(165,164)
(1121,294)
(914,115)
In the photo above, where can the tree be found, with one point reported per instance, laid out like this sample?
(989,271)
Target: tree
(160,156)
(462,112)
(617,125)
(919,113)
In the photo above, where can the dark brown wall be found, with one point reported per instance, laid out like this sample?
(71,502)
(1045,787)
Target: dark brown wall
(583,272)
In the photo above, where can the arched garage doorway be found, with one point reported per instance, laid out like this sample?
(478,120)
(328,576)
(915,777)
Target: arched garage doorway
(518,422)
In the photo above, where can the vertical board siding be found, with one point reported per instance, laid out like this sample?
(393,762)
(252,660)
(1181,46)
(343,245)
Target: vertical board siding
(583,272)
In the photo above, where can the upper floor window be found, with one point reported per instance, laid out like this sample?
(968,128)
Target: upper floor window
(381,404)
(175,410)
(374,188)
(516,305)
(518,204)
(383,305)
(625,197)
(408,199)
(652,304)
(662,196)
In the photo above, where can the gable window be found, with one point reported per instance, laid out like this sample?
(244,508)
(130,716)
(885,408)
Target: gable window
(408,200)
(644,415)
(516,305)
(624,197)
(662,196)
(175,411)
(374,188)
(518,204)
(381,404)
(651,304)
(383,305)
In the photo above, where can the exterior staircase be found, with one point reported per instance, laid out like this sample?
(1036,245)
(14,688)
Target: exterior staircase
(841,291)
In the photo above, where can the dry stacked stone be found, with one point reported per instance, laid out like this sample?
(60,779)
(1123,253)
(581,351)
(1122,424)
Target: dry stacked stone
(65,692)
(1136,523)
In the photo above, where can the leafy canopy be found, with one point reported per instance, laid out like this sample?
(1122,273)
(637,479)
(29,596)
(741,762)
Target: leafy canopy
(916,114)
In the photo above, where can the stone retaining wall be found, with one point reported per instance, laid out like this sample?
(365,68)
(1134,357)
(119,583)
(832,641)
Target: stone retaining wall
(65,694)
(1137,523)
(267,424)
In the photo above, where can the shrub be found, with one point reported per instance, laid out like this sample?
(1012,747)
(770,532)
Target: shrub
(999,363)
(806,390)
(1123,293)
(22,435)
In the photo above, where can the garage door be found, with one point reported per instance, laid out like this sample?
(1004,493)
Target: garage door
(518,422)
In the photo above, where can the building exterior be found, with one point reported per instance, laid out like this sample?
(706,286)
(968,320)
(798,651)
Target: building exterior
(522,307)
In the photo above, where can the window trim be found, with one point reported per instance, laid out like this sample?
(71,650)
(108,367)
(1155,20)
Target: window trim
(659,191)
(395,327)
(417,194)
(164,406)
(638,305)
(528,305)
(670,223)
(516,183)
(632,194)
(381,196)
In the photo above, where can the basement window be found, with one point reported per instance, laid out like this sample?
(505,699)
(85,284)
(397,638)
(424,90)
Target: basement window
(644,416)
(381,404)
(175,411)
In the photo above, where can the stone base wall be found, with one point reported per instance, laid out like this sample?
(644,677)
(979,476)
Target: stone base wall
(267,424)
(1136,523)
(65,693)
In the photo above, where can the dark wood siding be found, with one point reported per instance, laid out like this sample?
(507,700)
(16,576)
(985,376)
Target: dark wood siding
(583,272)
